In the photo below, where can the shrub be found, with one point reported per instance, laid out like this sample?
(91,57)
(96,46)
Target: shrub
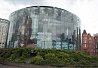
(55,60)
(11,58)
(62,55)
(50,56)
(5,53)
(17,52)
(36,60)
(26,52)
(47,57)
(20,60)
(50,59)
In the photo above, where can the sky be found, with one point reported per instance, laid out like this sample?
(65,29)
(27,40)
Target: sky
(86,10)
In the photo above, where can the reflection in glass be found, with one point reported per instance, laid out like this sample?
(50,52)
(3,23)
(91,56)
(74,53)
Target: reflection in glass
(44,27)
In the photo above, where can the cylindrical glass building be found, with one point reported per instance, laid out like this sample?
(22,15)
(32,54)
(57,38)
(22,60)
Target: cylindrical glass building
(44,27)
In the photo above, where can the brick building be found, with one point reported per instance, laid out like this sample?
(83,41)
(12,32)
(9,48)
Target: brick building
(88,43)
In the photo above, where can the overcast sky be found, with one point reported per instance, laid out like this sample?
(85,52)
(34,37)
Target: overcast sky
(87,10)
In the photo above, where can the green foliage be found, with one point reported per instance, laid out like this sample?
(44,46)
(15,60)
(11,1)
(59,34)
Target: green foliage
(5,53)
(36,60)
(48,57)
(26,52)
(17,52)
(50,60)
(11,58)
(20,60)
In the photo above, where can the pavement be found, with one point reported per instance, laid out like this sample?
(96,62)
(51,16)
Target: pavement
(6,66)
(26,66)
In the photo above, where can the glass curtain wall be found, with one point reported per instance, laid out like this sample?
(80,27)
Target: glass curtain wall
(45,27)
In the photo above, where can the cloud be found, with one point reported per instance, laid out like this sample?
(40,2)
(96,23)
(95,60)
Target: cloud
(86,9)
(26,2)
(7,7)
(44,2)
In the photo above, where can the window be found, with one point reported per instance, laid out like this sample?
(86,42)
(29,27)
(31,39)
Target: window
(85,45)
(85,38)
(85,41)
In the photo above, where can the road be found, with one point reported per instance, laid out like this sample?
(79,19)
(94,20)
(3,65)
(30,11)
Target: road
(6,66)
(32,66)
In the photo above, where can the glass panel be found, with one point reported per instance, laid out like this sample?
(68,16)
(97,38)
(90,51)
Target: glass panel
(51,28)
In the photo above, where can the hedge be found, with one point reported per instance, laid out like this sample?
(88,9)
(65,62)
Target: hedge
(53,57)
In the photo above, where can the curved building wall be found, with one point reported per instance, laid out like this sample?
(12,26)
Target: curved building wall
(48,27)
(4,26)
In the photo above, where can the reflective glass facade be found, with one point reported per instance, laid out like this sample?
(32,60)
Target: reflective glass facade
(47,27)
